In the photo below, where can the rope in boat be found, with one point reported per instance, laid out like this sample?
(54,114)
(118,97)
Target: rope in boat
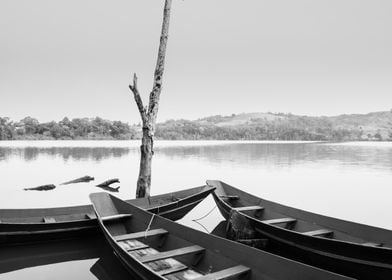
(195,220)
(201,218)
(149,225)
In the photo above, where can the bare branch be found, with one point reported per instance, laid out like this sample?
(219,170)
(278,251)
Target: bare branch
(138,98)
(157,87)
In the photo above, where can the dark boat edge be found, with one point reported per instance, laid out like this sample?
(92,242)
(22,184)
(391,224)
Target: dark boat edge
(20,233)
(350,266)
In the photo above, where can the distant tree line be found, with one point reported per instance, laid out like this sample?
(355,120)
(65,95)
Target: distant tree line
(187,130)
(66,129)
(281,127)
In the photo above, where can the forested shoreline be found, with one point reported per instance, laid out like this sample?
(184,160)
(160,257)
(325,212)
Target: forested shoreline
(66,129)
(256,126)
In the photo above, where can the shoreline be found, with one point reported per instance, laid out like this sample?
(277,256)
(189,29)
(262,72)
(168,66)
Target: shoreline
(136,143)
(171,143)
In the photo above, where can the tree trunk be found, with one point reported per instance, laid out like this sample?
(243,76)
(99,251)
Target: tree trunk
(149,114)
(146,152)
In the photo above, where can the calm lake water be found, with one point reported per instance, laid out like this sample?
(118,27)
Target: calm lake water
(351,180)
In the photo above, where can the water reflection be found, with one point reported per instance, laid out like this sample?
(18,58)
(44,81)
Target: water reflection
(283,154)
(239,153)
(66,153)
(301,175)
(90,257)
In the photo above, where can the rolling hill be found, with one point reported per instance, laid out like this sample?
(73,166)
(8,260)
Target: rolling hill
(279,126)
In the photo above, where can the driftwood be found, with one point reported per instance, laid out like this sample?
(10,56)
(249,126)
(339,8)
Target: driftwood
(109,189)
(84,179)
(149,114)
(41,188)
(108,183)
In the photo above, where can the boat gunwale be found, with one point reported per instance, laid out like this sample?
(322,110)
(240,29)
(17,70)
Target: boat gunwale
(302,234)
(202,190)
(227,251)
(118,247)
(304,212)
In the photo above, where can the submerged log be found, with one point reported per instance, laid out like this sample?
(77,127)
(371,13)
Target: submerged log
(108,183)
(41,188)
(109,189)
(84,179)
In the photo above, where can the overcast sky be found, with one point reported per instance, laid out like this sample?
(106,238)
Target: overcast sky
(75,58)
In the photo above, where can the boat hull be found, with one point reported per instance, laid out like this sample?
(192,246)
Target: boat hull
(29,226)
(218,254)
(348,258)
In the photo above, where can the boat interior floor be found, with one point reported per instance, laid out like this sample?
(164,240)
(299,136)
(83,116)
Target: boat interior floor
(172,257)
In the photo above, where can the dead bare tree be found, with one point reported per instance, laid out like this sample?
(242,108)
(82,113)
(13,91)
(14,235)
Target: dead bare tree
(149,114)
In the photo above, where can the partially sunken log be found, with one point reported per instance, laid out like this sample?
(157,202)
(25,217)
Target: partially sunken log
(84,179)
(41,188)
(108,183)
(109,189)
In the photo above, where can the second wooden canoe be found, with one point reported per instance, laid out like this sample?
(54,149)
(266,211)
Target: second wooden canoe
(345,247)
(34,225)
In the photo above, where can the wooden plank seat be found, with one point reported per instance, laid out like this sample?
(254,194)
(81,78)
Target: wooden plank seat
(48,220)
(116,217)
(230,197)
(132,245)
(140,234)
(249,208)
(172,253)
(279,221)
(90,216)
(228,273)
(167,266)
(319,232)
(185,274)
(372,244)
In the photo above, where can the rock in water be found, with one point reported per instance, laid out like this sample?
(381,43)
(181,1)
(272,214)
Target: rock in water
(41,188)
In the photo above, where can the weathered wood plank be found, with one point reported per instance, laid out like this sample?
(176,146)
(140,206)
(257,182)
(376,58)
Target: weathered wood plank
(228,273)
(140,234)
(279,221)
(49,220)
(230,197)
(249,208)
(372,244)
(91,216)
(172,253)
(319,232)
(116,217)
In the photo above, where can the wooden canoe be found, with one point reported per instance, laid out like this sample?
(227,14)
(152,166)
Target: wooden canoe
(153,248)
(33,225)
(348,248)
